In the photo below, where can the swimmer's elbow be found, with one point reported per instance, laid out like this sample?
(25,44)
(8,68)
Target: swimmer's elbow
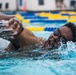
(11,47)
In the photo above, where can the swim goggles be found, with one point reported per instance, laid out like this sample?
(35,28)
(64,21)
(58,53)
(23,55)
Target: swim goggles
(61,38)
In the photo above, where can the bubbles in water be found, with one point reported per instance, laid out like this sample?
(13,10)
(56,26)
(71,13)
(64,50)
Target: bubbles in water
(5,32)
(67,51)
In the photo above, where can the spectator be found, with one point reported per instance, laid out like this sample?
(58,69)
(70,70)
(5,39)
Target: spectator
(60,4)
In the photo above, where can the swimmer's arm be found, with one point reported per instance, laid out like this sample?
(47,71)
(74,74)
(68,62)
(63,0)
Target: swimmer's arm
(27,38)
(10,48)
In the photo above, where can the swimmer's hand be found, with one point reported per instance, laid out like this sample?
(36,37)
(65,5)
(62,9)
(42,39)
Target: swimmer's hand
(47,44)
(15,27)
(50,43)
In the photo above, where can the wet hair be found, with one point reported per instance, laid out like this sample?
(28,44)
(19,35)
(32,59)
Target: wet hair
(72,26)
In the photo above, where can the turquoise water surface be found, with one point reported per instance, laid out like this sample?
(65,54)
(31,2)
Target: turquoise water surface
(61,61)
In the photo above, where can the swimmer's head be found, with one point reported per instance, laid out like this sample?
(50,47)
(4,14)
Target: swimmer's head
(72,27)
(65,33)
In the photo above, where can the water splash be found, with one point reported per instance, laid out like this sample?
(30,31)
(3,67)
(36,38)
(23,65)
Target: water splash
(5,32)
(67,51)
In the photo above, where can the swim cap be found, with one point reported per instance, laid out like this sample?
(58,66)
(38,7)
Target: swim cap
(72,26)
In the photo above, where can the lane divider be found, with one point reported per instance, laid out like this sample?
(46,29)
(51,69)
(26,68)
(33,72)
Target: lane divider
(71,20)
(48,21)
(45,21)
(51,18)
(26,21)
(41,28)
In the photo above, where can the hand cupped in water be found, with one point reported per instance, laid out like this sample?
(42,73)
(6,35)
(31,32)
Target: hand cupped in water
(50,44)
(10,29)
(15,26)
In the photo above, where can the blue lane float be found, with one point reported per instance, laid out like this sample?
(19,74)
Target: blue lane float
(65,14)
(54,12)
(34,17)
(49,21)
(49,29)
(9,13)
(26,13)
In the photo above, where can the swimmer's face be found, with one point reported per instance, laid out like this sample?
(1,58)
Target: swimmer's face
(64,34)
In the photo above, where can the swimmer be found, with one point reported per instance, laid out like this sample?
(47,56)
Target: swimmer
(24,38)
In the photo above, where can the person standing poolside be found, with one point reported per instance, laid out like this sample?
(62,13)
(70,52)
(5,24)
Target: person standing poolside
(60,4)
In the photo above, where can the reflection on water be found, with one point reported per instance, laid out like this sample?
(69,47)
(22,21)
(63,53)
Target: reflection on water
(61,61)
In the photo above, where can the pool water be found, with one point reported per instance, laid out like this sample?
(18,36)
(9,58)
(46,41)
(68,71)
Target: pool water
(61,61)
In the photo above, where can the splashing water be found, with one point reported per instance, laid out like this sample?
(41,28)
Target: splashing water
(5,32)
(67,51)
(38,62)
